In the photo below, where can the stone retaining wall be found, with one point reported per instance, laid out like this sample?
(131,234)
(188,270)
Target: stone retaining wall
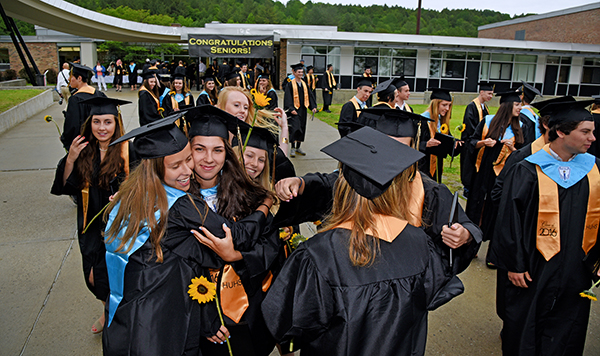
(17,114)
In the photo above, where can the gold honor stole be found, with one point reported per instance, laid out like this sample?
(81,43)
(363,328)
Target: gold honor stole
(297,97)
(408,108)
(356,106)
(479,109)
(244,80)
(152,95)
(175,103)
(500,161)
(432,158)
(548,224)
(312,84)
(86,89)
(597,111)
(234,299)
(417,199)
(85,192)
(331,81)
(388,227)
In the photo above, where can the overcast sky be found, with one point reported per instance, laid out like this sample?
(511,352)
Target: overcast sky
(511,7)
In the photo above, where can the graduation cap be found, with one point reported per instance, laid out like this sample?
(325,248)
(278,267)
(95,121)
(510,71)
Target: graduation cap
(297,66)
(102,105)
(232,75)
(365,81)
(385,88)
(542,105)
(309,68)
(150,73)
(487,86)
(529,92)
(394,122)
(260,138)
(157,139)
(399,82)
(264,76)
(371,160)
(596,98)
(208,78)
(573,111)
(177,76)
(440,93)
(79,70)
(208,120)
(510,96)
(259,67)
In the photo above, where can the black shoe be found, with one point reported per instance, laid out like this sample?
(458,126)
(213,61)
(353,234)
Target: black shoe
(329,111)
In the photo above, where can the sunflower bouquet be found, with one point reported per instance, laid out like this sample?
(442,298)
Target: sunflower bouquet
(204,291)
(259,101)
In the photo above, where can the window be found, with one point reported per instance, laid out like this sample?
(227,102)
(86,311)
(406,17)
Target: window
(404,66)
(434,68)
(453,69)
(591,71)
(320,56)
(360,63)
(4,59)
(524,69)
(500,71)
(316,61)
(564,64)
(520,35)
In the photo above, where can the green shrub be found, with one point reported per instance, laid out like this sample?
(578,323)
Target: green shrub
(10,74)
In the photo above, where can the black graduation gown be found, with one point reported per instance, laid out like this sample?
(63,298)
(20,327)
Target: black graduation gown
(76,115)
(595,147)
(467,161)
(274,103)
(348,114)
(168,105)
(132,75)
(118,80)
(297,123)
(316,201)
(156,315)
(549,317)
(479,205)
(528,128)
(330,307)
(147,109)
(91,244)
(327,91)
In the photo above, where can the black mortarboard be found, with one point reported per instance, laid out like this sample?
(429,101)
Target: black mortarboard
(385,87)
(440,93)
(365,81)
(208,78)
(259,138)
(486,86)
(394,122)
(232,75)
(208,120)
(573,111)
(79,70)
(529,92)
(542,105)
(101,105)
(297,66)
(157,139)
(264,76)
(149,73)
(510,96)
(259,67)
(371,160)
(309,68)
(399,82)
(597,98)
(177,76)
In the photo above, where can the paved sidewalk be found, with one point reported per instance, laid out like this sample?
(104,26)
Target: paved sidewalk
(46,308)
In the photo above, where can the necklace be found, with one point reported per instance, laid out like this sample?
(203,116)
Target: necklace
(103,149)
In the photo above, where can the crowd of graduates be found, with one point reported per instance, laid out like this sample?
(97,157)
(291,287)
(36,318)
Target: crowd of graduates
(189,233)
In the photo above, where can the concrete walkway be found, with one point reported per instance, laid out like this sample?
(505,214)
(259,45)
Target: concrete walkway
(46,308)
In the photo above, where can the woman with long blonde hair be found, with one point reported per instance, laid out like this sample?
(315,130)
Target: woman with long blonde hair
(368,272)
(440,112)
(152,257)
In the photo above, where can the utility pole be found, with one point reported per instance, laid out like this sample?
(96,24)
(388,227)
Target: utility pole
(419,18)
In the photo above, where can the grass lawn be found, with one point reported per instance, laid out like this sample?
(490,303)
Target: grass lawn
(10,98)
(451,175)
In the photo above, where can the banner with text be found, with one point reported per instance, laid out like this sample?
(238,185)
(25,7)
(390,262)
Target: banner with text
(230,46)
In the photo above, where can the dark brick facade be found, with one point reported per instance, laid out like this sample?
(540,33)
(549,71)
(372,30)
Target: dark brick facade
(580,27)
(45,56)
(283,67)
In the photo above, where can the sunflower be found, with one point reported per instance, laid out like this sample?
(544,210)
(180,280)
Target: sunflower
(283,234)
(48,118)
(588,294)
(444,129)
(202,290)
(260,99)
(461,128)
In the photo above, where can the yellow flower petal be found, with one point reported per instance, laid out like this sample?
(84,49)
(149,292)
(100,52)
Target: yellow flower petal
(48,118)
(444,129)
(202,290)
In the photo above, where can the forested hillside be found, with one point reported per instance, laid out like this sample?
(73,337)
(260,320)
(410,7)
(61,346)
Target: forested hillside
(372,18)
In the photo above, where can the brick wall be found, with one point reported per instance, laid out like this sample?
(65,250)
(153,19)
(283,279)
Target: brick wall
(581,27)
(283,67)
(45,56)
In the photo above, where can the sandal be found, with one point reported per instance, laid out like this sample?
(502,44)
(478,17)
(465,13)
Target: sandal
(97,327)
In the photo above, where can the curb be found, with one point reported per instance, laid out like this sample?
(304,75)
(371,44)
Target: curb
(17,114)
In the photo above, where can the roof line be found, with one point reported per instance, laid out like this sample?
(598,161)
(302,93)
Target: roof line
(571,10)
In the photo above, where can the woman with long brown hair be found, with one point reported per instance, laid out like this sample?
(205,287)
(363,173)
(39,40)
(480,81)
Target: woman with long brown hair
(179,96)
(148,102)
(494,139)
(152,257)
(369,272)
(210,94)
(440,112)
(265,87)
(93,171)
